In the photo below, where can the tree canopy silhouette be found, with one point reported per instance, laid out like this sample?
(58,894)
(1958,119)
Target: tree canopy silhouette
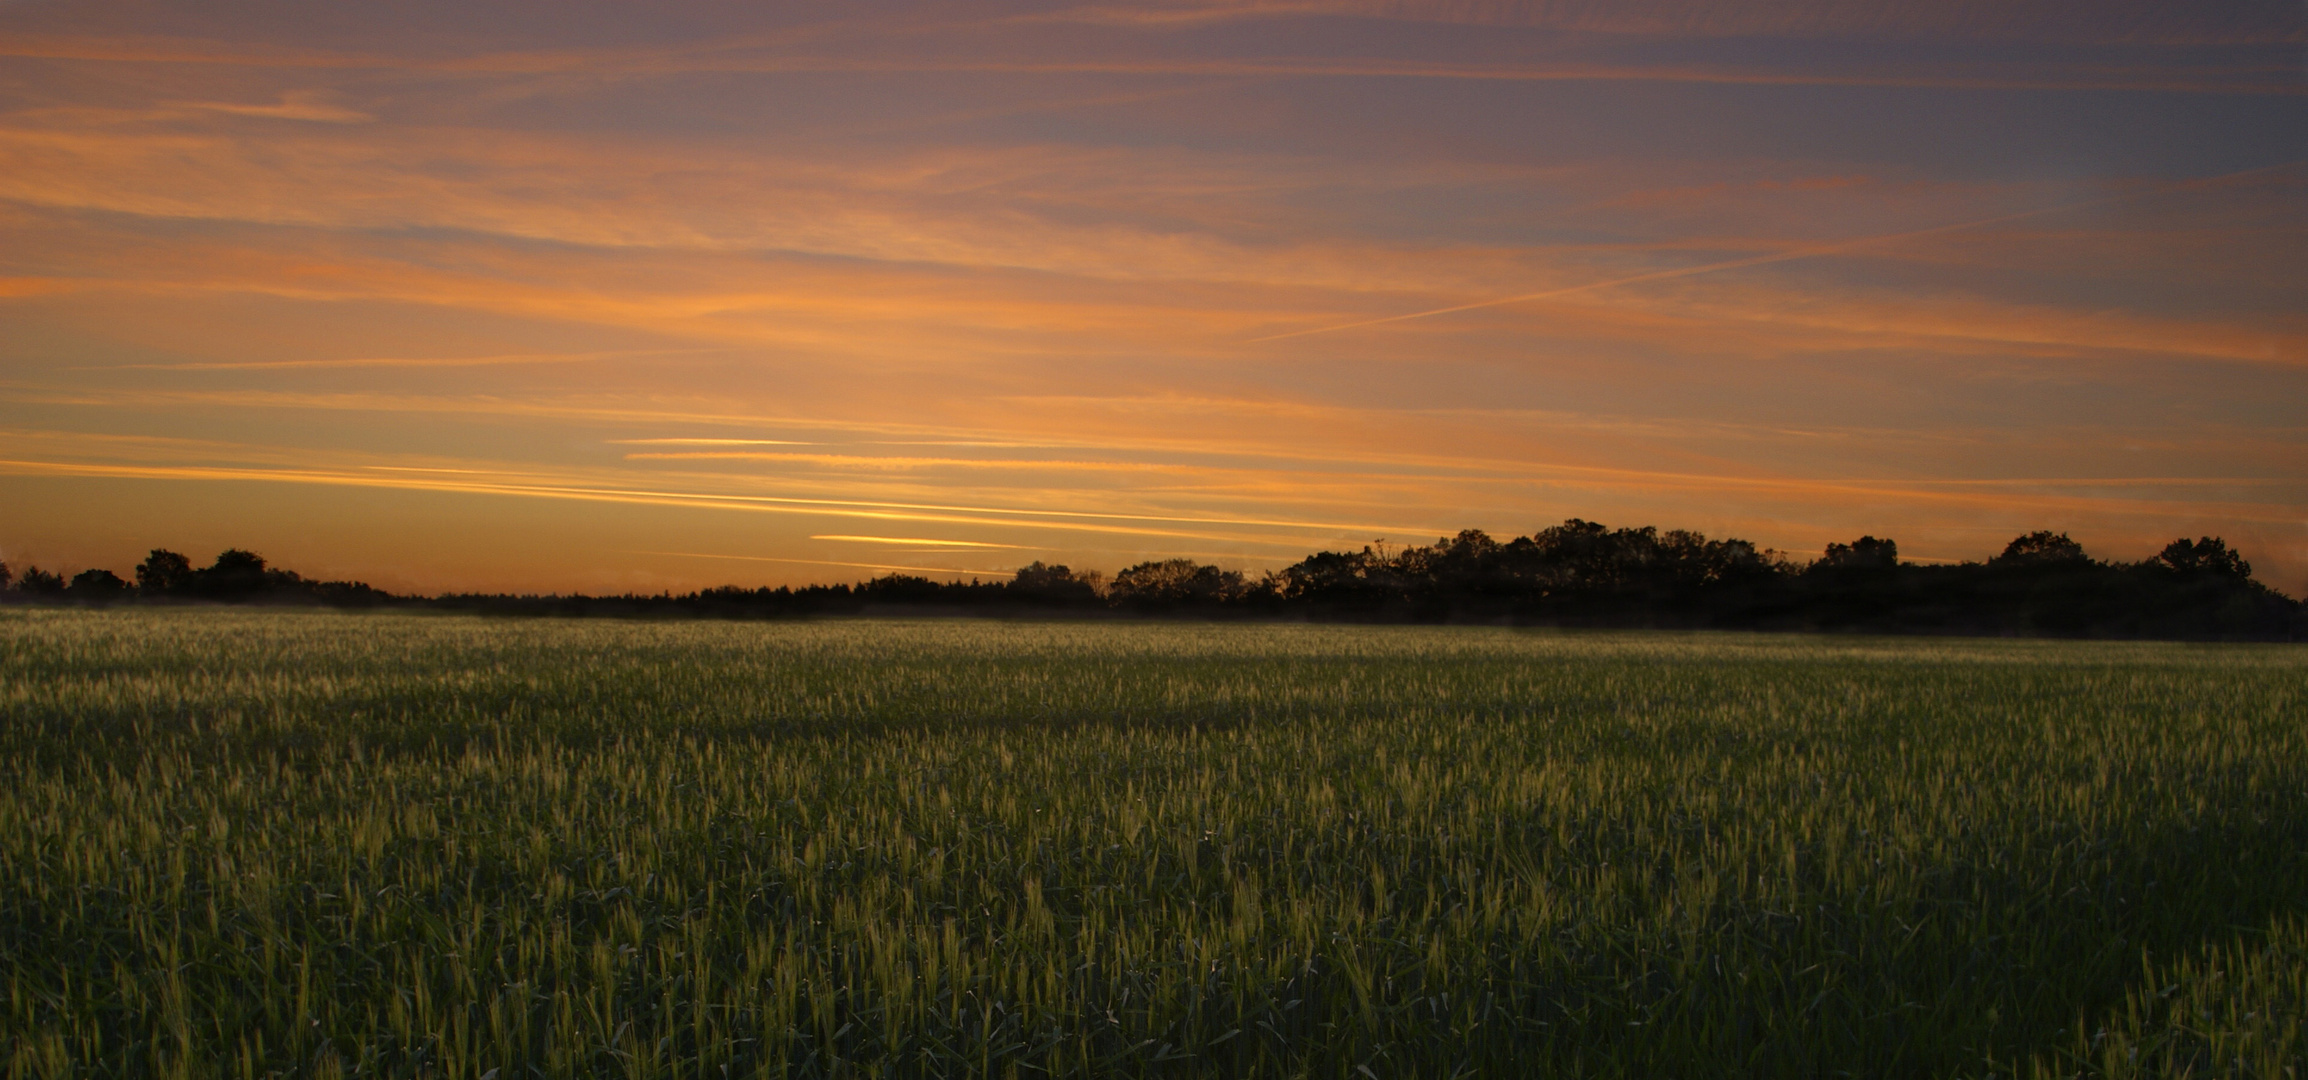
(98,586)
(1865,553)
(1578,573)
(40,583)
(1058,584)
(1174,583)
(164,573)
(2208,556)
(2041,548)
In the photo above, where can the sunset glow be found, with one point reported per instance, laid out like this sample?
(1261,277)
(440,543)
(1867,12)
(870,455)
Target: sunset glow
(637,297)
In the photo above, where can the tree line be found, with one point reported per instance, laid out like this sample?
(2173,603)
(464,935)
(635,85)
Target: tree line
(236,576)
(1578,573)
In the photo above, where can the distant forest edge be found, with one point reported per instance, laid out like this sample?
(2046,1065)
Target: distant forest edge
(1575,574)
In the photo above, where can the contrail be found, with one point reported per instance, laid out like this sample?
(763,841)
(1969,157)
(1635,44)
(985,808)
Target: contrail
(1774,257)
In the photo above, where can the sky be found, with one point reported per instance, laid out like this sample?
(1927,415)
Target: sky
(589,296)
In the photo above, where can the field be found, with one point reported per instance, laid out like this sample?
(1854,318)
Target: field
(249,844)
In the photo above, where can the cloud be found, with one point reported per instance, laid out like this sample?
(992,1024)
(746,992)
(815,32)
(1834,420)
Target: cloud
(707,442)
(2296,352)
(895,462)
(914,541)
(918,54)
(1351,472)
(2133,22)
(893,567)
(307,106)
(1000,273)
(839,508)
(1218,290)
(406,361)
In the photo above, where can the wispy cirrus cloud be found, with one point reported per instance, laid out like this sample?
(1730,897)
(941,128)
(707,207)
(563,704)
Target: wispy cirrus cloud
(904,568)
(1234,279)
(1968,20)
(2246,76)
(404,361)
(914,541)
(305,106)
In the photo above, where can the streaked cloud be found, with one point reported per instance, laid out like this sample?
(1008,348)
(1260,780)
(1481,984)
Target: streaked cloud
(890,567)
(396,361)
(293,106)
(1113,282)
(2028,20)
(915,541)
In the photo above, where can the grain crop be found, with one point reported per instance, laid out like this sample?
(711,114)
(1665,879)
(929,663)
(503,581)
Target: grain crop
(250,844)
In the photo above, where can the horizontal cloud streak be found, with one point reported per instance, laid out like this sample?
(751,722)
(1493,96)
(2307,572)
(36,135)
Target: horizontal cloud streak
(912,540)
(895,568)
(2130,23)
(1081,281)
(2248,79)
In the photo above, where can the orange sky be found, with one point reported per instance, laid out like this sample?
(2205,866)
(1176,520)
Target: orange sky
(588,296)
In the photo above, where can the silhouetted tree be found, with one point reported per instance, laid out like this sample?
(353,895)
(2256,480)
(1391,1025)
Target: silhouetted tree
(902,589)
(2209,556)
(1579,570)
(100,586)
(2042,548)
(1865,553)
(1044,584)
(164,573)
(6,576)
(1337,578)
(238,574)
(40,583)
(1576,573)
(1178,582)
(2042,582)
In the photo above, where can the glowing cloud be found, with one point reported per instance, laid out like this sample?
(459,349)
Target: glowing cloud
(515,305)
(913,541)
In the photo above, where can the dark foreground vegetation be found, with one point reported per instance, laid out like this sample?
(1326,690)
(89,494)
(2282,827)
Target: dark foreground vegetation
(240,843)
(1575,574)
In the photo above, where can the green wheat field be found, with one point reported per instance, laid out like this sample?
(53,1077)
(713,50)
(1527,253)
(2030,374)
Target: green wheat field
(243,844)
